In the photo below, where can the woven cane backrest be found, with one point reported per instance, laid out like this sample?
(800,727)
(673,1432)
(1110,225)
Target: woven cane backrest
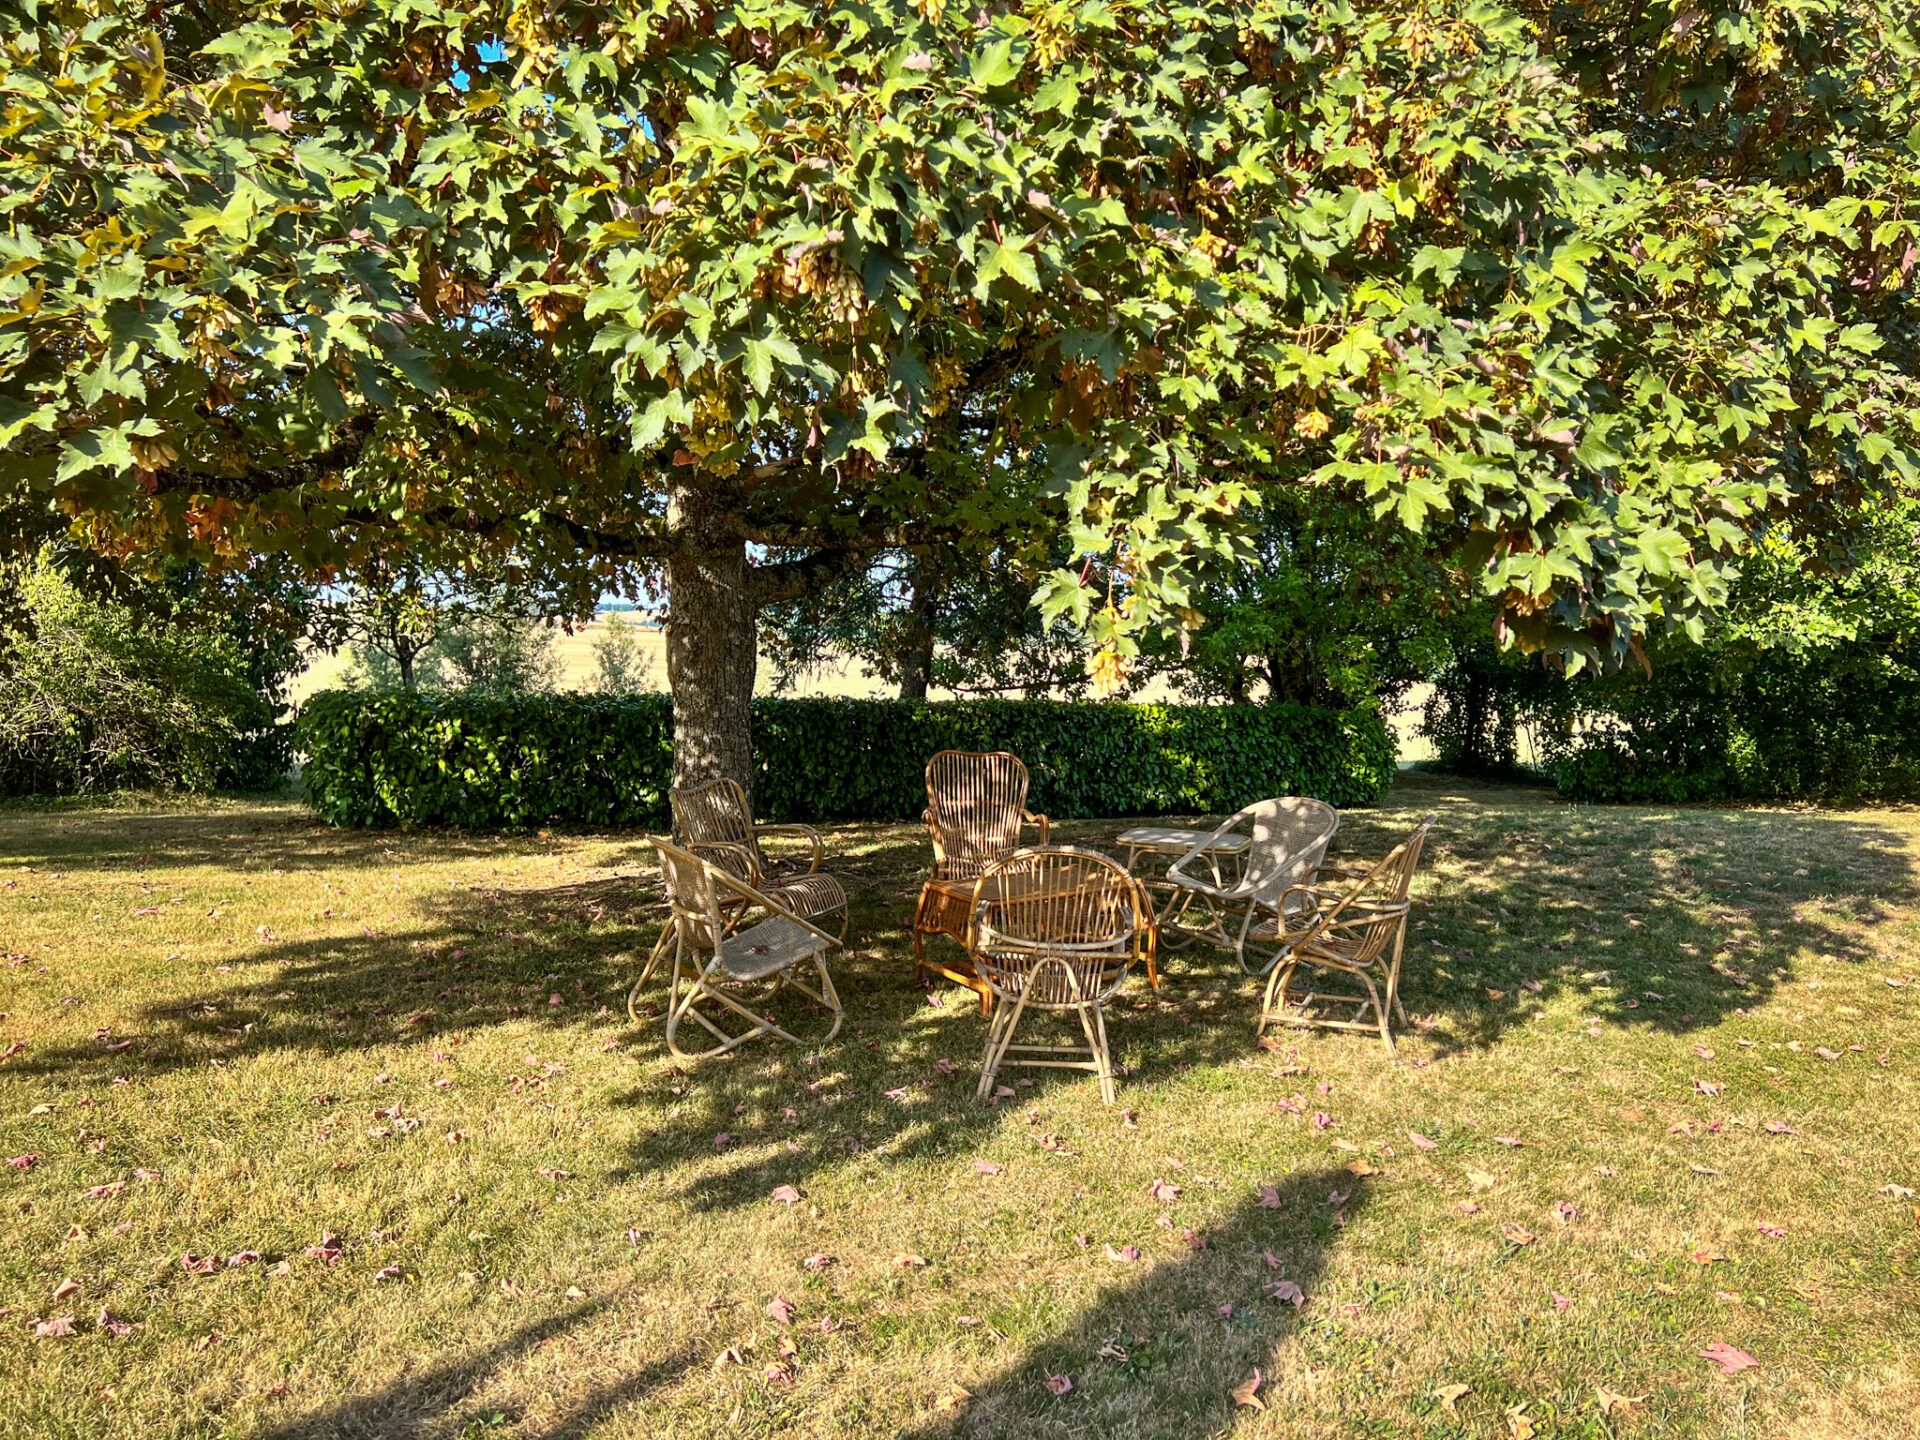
(691,894)
(1289,841)
(975,802)
(716,814)
(1059,924)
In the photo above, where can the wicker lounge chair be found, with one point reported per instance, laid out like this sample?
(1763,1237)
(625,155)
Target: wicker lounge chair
(1350,923)
(715,953)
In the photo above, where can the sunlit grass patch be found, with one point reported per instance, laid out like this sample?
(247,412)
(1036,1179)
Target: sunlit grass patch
(383,1091)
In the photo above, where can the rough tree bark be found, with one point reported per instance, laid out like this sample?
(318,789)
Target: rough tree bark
(712,645)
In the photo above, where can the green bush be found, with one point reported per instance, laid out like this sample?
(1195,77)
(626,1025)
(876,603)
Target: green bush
(514,762)
(95,696)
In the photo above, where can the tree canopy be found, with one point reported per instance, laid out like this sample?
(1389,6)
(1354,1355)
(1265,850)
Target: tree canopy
(1590,295)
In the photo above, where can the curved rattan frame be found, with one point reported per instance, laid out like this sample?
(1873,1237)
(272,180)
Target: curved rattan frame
(1288,840)
(714,952)
(976,811)
(1356,930)
(1056,928)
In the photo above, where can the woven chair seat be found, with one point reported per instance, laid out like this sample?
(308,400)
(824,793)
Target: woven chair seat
(771,946)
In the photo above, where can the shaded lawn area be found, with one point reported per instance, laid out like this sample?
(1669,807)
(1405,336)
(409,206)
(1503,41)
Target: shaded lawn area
(1667,1089)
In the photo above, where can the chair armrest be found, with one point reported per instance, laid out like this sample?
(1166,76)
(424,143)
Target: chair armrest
(1039,822)
(771,905)
(811,835)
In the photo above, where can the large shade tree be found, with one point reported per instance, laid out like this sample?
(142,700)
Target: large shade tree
(738,295)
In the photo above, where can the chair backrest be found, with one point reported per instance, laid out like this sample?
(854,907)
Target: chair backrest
(717,813)
(1055,908)
(1290,836)
(975,802)
(691,895)
(1372,912)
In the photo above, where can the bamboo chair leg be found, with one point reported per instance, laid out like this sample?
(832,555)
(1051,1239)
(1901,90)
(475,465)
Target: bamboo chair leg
(1096,1028)
(1275,1002)
(999,1032)
(1379,1009)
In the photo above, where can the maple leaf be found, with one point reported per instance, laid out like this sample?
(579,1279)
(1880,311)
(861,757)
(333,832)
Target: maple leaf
(1450,1396)
(985,1167)
(58,1328)
(1126,1254)
(780,1309)
(1508,1141)
(1777,1127)
(1287,1293)
(911,1262)
(1708,1087)
(1519,1427)
(1165,1193)
(1730,1360)
(23,1162)
(1421,1142)
(1059,1384)
(64,1289)
(785,1195)
(1269,1197)
(1516,1235)
(1246,1392)
(1564,1212)
(818,1262)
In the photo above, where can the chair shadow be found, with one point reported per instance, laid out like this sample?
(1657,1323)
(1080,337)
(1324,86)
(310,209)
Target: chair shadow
(1158,1358)
(437,1399)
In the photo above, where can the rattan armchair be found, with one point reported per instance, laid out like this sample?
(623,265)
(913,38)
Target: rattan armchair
(976,810)
(1056,929)
(715,953)
(716,823)
(1350,923)
(1242,911)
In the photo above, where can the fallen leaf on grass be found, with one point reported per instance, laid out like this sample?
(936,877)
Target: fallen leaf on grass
(1516,1235)
(104,1192)
(1126,1254)
(818,1262)
(1362,1167)
(911,1262)
(1898,1192)
(198,1264)
(1287,1293)
(780,1309)
(1421,1142)
(1246,1392)
(1709,1087)
(1777,1232)
(1508,1141)
(1519,1427)
(386,1274)
(64,1289)
(1705,1255)
(985,1167)
(1165,1193)
(785,1195)
(1612,1400)
(1451,1395)
(1059,1384)
(1730,1360)
(23,1162)
(58,1328)
(1777,1127)
(1564,1212)
(548,1172)
(1481,1180)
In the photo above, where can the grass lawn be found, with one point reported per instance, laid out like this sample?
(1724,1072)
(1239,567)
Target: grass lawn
(1666,1094)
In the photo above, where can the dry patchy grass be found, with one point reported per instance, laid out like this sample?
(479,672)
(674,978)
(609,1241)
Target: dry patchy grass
(273,1033)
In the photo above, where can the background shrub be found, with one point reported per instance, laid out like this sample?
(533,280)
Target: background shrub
(512,762)
(95,695)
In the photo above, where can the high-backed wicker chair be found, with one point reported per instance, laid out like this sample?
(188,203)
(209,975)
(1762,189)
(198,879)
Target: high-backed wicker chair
(716,823)
(1056,929)
(976,809)
(1352,922)
(1241,912)
(713,952)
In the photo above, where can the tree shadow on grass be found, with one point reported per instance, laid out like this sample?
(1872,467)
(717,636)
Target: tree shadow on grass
(1158,1358)
(1663,919)
(439,1400)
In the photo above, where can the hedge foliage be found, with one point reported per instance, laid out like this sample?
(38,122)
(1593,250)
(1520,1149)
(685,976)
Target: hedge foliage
(599,761)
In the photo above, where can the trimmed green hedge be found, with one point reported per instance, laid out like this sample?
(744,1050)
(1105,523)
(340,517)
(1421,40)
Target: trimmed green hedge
(510,763)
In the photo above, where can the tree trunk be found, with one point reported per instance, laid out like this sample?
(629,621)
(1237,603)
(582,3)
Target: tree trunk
(712,648)
(917,634)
